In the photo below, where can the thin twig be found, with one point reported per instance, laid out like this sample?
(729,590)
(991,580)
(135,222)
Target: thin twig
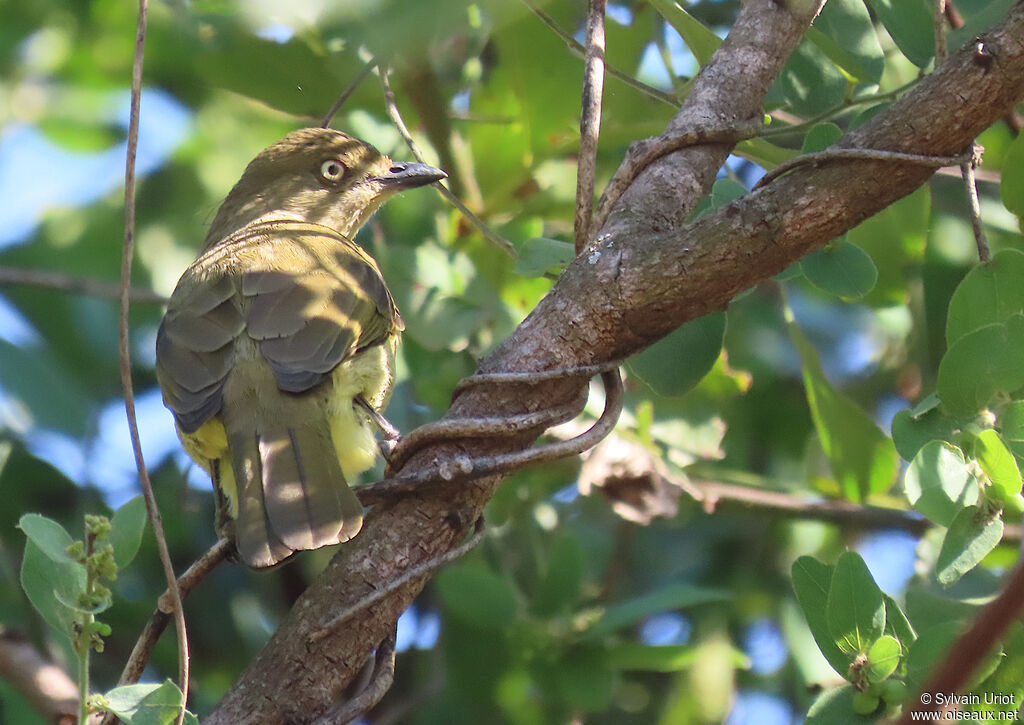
(464,468)
(158,621)
(396,118)
(125,355)
(820,157)
(453,428)
(360,77)
(939,29)
(614,72)
(971,189)
(590,122)
(380,682)
(76,285)
(642,154)
(415,573)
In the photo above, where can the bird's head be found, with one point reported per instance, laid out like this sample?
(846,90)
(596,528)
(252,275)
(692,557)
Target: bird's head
(317,175)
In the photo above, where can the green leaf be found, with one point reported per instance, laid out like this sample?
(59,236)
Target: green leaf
(835,707)
(810,82)
(980,364)
(910,432)
(145,704)
(126,529)
(855,609)
(673,596)
(47,582)
(647,658)
(896,623)
(844,31)
(909,23)
(883,658)
(811,582)
(938,484)
(540,255)
(820,137)
(971,536)
(701,41)
(677,362)
(842,269)
(51,538)
(725,191)
(477,595)
(1011,188)
(991,292)
(862,458)
(998,464)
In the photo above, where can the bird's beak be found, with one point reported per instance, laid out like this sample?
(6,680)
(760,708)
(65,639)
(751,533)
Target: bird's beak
(409,175)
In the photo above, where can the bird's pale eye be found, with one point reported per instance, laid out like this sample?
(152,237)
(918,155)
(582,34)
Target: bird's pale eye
(332,170)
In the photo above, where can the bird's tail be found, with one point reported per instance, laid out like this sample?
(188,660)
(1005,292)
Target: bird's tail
(292,494)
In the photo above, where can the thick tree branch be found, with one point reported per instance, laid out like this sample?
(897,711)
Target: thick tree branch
(646,274)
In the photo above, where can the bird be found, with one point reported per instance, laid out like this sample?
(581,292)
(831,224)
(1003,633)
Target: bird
(276,351)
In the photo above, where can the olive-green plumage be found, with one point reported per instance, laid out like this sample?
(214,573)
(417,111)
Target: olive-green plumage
(275,330)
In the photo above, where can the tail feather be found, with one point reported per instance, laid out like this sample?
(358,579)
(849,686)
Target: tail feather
(292,494)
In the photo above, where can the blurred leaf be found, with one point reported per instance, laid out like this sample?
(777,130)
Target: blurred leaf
(971,536)
(584,679)
(52,394)
(127,526)
(883,658)
(938,484)
(931,648)
(842,269)
(991,292)
(477,595)
(856,607)
(677,362)
(80,136)
(928,609)
(895,240)
(1011,422)
(811,581)
(51,538)
(667,598)
(701,41)
(844,31)
(648,658)
(562,583)
(48,582)
(980,364)
(539,256)
(862,457)
(909,23)
(1011,187)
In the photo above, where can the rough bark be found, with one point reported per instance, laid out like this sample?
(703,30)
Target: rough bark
(645,274)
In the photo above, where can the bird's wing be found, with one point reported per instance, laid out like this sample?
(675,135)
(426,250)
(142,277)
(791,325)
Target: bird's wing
(320,301)
(195,346)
